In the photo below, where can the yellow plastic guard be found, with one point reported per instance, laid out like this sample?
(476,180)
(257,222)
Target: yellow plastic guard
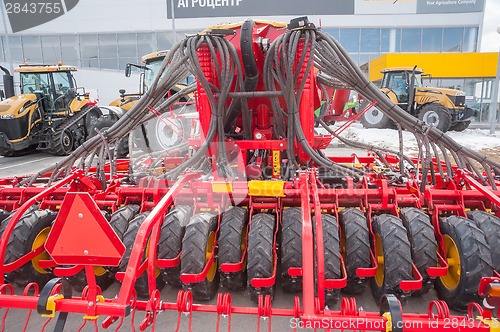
(266,188)
(222,187)
(493,323)
(51,305)
(99,298)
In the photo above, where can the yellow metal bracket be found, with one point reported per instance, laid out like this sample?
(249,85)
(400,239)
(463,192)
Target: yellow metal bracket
(222,187)
(51,305)
(266,188)
(99,298)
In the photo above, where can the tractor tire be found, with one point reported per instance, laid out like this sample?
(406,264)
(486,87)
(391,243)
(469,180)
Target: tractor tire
(11,153)
(466,244)
(232,245)
(31,231)
(291,248)
(6,217)
(102,124)
(104,275)
(435,114)
(170,243)
(375,118)
(423,244)
(63,142)
(3,215)
(490,225)
(355,247)
(460,126)
(331,250)
(196,247)
(260,261)
(392,244)
(141,283)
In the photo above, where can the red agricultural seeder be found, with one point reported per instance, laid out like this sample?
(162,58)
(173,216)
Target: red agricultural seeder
(252,196)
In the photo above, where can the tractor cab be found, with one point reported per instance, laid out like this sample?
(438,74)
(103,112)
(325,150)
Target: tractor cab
(54,86)
(398,79)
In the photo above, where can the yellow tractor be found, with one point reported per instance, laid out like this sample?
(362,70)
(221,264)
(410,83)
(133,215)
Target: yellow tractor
(443,108)
(163,131)
(49,114)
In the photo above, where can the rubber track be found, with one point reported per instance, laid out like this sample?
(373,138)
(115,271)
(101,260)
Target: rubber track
(397,255)
(193,257)
(170,242)
(475,259)
(234,222)
(260,252)
(355,230)
(490,225)
(423,244)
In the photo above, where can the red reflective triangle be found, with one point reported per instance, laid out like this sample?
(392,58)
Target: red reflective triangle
(82,236)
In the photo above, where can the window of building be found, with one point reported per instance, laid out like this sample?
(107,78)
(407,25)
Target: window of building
(2,48)
(70,50)
(51,48)
(32,49)
(370,40)
(349,38)
(127,45)
(334,32)
(16,48)
(163,41)
(411,40)
(89,51)
(108,51)
(145,44)
(390,40)
(432,38)
(470,40)
(452,39)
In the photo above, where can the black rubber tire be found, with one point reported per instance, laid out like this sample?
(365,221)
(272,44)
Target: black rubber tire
(63,142)
(423,244)
(170,243)
(291,248)
(8,216)
(194,258)
(232,241)
(432,112)
(3,215)
(397,255)
(489,224)
(103,123)
(122,217)
(460,126)
(475,261)
(260,261)
(141,283)
(20,243)
(356,239)
(375,118)
(331,249)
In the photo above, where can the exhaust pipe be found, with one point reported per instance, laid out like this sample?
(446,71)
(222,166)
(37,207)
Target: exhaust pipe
(8,83)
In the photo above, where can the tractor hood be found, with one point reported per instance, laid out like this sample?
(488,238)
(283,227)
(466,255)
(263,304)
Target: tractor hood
(449,92)
(10,107)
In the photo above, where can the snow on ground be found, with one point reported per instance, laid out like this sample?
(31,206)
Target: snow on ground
(474,139)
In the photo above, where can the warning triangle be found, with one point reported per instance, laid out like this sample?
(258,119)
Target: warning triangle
(81,235)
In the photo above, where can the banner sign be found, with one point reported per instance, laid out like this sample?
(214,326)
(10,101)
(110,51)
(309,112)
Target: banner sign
(386,6)
(449,6)
(257,8)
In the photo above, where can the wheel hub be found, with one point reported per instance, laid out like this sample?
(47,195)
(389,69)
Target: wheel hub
(431,118)
(373,115)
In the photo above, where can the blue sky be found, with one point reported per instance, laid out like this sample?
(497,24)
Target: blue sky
(491,38)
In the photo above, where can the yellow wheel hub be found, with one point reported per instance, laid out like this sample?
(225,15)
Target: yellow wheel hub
(40,241)
(379,252)
(452,278)
(208,252)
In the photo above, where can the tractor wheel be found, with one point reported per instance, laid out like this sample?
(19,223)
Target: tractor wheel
(490,225)
(423,244)
(63,141)
(355,245)
(30,232)
(291,248)
(232,245)
(375,118)
(469,259)
(460,126)
(393,253)
(3,215)
(331,249)
(141,283)
(170,243)
(437,115)
(197,247)
(102,124)
(260,253)
(103,275)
